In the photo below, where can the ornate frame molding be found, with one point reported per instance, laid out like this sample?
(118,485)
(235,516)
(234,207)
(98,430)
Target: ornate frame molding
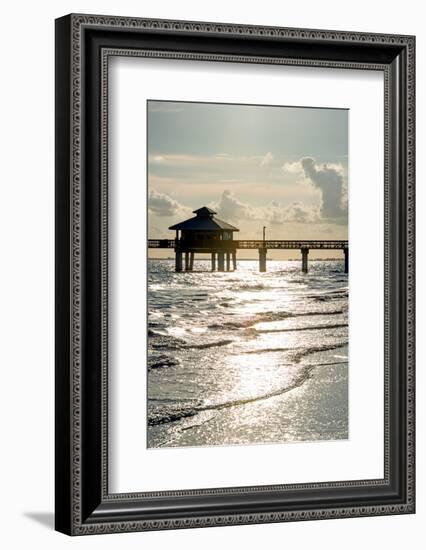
(72,46)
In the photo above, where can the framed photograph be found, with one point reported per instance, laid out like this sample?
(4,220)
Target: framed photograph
(234,274)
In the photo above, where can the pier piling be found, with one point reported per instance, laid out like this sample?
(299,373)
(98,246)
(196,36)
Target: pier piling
(305,252)
(221,261)
(262,259)
(213,261)
(178,261)
(234,260)
(228,261)
(346,251)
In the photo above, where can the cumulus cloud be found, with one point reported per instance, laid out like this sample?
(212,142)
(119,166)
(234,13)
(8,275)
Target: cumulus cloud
(163,205)
(292,167)
(267,159)
(329,180)
(295,212)
(231,208)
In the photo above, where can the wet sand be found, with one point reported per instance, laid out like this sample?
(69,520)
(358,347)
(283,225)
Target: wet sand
(315,410)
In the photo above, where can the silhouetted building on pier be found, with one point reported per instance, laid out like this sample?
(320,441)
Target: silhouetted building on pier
(204,233)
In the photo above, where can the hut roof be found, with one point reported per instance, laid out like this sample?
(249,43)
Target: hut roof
(204,221)
(204,211)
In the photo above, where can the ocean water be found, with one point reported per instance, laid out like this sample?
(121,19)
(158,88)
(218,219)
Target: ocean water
(246,357)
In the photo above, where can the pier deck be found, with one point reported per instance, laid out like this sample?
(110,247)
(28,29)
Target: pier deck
(254,244)
(226,248)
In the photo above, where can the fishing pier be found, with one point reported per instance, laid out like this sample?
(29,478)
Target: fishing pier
(206,234)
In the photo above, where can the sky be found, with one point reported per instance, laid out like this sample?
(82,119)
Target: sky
(285,168)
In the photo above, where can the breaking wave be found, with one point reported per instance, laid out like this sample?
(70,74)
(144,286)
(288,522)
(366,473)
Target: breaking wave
(162,361)
(297,329)
(168,342)
(271,316)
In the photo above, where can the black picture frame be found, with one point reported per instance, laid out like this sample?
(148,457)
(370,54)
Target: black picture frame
(83,45)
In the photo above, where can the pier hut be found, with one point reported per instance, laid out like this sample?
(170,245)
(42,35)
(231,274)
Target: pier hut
(206,234)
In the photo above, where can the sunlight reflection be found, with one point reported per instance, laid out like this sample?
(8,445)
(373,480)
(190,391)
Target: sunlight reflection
(235,357)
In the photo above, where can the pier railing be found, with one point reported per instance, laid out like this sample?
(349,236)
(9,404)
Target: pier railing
(292,244)
(268,244)
(161,243)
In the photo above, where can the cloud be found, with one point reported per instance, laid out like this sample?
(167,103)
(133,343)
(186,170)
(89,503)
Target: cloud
(292,167)
(218,160)
(295,212)
(267,159)
(328,178)
(163,205)
(231,208)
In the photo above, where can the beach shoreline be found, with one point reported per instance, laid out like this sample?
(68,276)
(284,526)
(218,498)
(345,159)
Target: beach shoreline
(324,393)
